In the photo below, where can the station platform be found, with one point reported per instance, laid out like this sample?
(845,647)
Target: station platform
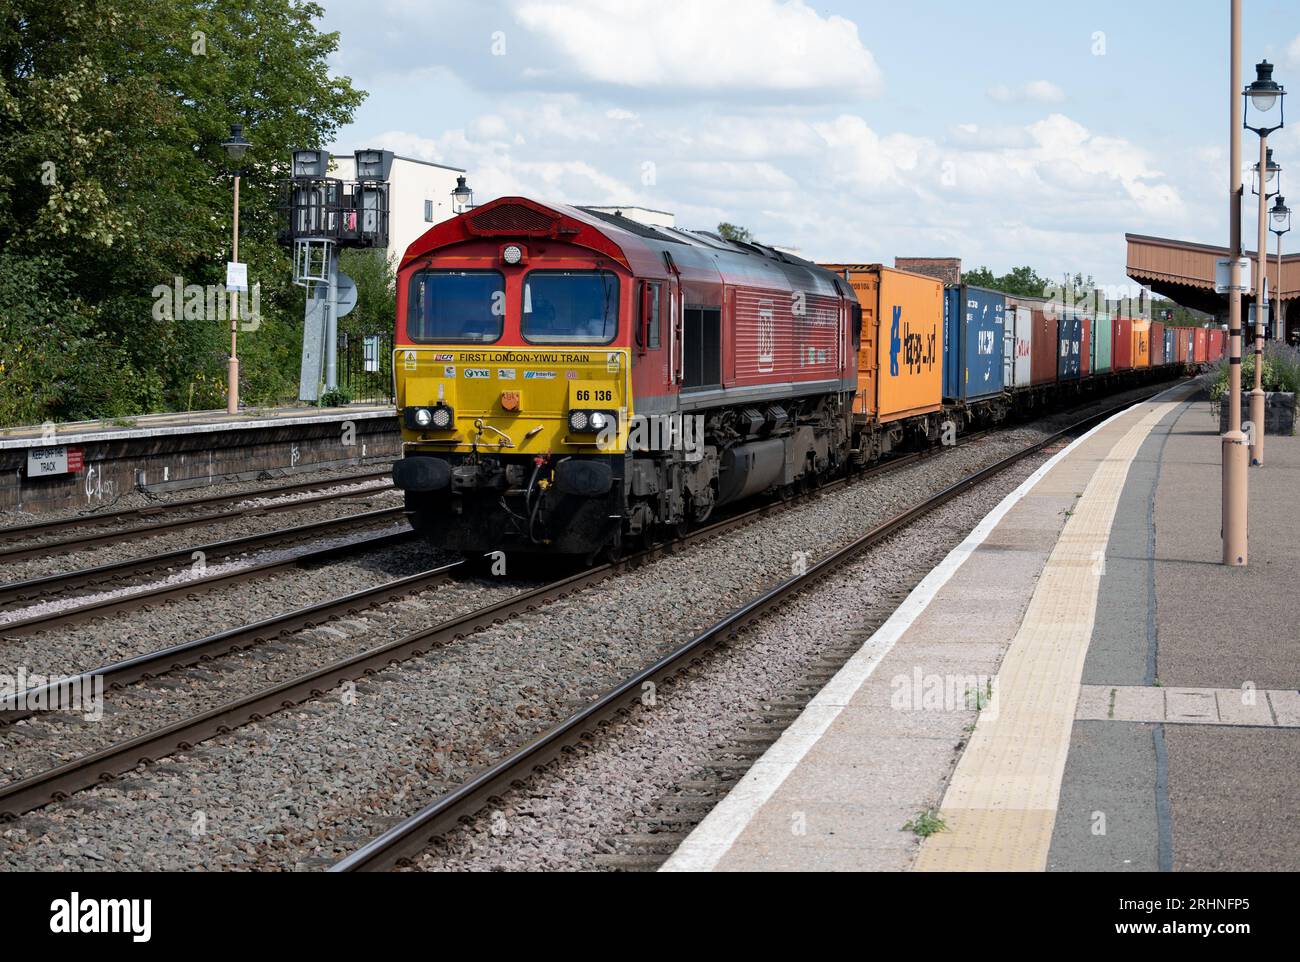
(1079,686)
(88,464)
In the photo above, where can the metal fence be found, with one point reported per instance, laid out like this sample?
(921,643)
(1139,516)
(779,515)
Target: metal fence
(366,366)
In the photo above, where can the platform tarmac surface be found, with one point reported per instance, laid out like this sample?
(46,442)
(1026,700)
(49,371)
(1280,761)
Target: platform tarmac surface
(1079,686)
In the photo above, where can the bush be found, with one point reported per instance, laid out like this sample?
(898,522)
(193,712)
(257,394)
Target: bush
(1281,371)
(335,398)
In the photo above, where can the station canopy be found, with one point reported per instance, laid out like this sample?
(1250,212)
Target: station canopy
(1183,271)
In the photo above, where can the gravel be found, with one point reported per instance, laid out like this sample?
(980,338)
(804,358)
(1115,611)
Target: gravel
(309,784)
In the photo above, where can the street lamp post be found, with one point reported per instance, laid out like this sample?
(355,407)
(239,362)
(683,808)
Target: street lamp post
(1235,476)
(462,197)
(1262,94)
(236,146)
(1281,215)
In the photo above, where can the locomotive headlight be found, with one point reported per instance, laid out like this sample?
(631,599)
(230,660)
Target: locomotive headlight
(592,422)
(512,254)
(442,417)
(423,417)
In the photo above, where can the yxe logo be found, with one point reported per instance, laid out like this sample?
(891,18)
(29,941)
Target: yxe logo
(75,916)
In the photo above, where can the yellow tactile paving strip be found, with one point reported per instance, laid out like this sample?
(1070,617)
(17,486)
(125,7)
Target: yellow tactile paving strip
(1001,803)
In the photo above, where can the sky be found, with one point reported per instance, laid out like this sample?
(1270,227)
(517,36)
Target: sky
(1004,133)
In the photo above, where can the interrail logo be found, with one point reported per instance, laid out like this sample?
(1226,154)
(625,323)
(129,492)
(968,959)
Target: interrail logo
(77,916)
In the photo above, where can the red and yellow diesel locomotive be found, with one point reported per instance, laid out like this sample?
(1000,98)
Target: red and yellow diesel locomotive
(570,380)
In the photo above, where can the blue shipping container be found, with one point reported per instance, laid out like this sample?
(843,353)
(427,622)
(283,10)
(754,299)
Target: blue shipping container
(1169,346)
(983,321)
(1070,347)
(951,340)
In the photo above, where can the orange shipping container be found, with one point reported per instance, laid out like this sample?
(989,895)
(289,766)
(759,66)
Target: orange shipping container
(1141,343)
(900,362)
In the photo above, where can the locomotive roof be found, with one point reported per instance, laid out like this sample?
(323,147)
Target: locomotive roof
(641,247)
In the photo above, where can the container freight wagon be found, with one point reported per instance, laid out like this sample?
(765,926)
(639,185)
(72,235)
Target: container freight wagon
(1122,344)
(1043,362)
(1157,344)
(1141,344)
(900,359)
(1202,346)
(1069,345)
(1085,348)
(974,329)
(1217,341)
(1103,336)
(1017,352)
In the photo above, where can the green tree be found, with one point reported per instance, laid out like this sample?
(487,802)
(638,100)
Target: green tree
(1021,281)
(732,232)
(113,183)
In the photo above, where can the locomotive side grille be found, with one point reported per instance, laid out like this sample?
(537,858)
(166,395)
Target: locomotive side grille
(511,219)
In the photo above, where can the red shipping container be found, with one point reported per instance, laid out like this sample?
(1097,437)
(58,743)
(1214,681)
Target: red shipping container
(1043,347)
(1122,344)
(1085,347)
(1157,344)
(1217,340)
(1202,345)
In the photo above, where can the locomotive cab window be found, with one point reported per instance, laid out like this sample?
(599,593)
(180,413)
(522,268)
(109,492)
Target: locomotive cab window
(465,307)
(570,307)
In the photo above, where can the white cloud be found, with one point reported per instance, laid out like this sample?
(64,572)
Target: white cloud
(741,45)
(1036,91)
(1051,193)
(1293,53)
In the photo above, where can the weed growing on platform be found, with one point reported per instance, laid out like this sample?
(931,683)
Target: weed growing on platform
(925,824)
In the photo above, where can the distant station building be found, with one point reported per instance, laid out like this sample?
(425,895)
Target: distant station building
(946,269)
(1184,272)
(419,196)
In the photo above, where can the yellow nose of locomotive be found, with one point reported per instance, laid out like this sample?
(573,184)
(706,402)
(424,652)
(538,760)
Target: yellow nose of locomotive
(521,401)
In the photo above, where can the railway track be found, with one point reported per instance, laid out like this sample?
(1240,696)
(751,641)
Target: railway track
(413,835)
(17,594)
(56,783)
(14,533)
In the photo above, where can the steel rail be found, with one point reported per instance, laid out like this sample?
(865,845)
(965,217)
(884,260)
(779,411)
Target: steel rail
(24,591)
(145,531)
(411,836)
(150,596)
(11,532)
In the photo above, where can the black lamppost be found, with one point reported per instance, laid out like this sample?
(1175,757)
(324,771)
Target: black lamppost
(235,146)
(1263,94)
(1281,216)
